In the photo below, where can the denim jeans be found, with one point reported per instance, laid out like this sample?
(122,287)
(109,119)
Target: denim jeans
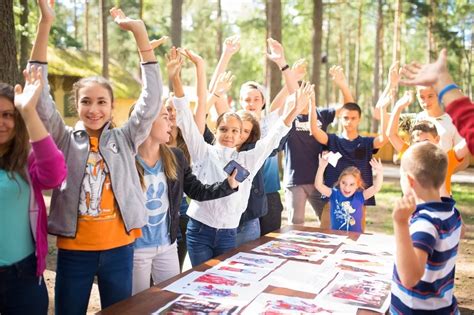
(75,274)
(205,242)
(248,231)
(21,291)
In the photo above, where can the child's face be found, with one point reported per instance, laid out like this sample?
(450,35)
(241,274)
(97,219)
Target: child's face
(350,119)
(171,111)
(427,98)
(94,107)
(348,185)
(7,120)
(420,136)
(246,130)
(161,128)
(252,101)
(228,132)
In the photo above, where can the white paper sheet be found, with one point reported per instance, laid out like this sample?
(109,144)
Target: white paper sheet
(293,250)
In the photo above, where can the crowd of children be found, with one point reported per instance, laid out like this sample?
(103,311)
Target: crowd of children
(119,207)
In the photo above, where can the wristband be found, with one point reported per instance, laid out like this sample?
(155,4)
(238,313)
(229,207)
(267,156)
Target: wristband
(216,95)
(447,88)
(285,67)
(145,50)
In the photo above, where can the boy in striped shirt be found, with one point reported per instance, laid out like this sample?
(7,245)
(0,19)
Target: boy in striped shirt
(427,230)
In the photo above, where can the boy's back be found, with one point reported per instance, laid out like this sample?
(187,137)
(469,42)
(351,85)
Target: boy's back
(435,228)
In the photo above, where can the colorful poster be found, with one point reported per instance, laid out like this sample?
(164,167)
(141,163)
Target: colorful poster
(365,292)
(371,265)
(281,304)
(293,250)
(191,305)
(314,238)
(364,251)
(301,276)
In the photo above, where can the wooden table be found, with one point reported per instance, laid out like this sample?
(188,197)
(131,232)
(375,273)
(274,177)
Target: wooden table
(154,298)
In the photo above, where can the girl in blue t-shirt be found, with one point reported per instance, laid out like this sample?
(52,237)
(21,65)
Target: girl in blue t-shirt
(347,196)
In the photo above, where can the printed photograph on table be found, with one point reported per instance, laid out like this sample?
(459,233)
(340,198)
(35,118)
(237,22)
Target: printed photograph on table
(382,267)
(293,250)
(365,292)
(364,251)
(222,279)
(242,271)
(260,261)
(273,304)
(191,305)
(312,237)
(301,276)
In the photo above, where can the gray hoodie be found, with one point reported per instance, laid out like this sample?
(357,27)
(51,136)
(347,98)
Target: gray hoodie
(118,147)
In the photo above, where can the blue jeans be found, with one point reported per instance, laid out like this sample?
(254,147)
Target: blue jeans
(75,274)
(21,291)
(248,231)
(205,242)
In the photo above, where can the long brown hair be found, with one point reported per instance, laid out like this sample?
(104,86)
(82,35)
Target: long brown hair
(255,134)
(354,171)
(16,156)
(168,159)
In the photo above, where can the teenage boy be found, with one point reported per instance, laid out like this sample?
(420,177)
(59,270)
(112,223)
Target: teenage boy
(427,230)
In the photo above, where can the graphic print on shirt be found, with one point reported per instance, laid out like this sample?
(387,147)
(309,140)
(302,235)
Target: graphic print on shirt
(156,205)
(96,181)
(343,213)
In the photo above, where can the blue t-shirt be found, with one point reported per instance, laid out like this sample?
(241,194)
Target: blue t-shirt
(302,150)
(358,153)
(156,232)
(346,212)
(435,228)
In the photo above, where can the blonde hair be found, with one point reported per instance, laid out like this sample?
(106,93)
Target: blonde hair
(426,163)
(354,171)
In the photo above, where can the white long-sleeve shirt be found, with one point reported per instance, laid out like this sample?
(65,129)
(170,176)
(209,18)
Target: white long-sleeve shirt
(208,163)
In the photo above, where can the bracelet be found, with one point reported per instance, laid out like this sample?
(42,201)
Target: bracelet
(447,88)
(216,95)
(285,67)
(145,50)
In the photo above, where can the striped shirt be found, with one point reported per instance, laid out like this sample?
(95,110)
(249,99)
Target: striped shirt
(435,228)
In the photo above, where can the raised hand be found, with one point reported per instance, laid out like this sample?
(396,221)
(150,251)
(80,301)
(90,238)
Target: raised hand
(277,54)
(46,10)
(299,69)
(337,75)
(192,56)
(417,74)
(377,165)
(405,100)
(323,159)
(231,45)
(223,84)
(155,43)
(303,95)
(174,62)
(394,75)
(404,208)
(26,98)
(124,22)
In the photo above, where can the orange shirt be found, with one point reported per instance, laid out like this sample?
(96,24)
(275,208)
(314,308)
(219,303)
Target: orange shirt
(453,162)
(100,225)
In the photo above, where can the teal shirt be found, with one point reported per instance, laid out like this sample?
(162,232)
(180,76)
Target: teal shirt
(16,241)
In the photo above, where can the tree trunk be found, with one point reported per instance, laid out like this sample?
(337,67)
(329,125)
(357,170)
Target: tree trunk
(357,52)
(273,73)
(8,63)
(24,40)
(377,57)
(219,30)
(104,50)
(176,16)
(317,43)
(396,37)
(76,23)
(430,38)
(86,25)
(328,36)
(140,9)
(347,61)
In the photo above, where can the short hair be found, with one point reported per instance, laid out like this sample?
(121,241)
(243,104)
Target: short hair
(427,163)
(352,106)
(252,85)
(424,126)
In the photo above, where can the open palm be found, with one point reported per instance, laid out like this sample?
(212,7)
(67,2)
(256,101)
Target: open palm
(123,21)
(27,98)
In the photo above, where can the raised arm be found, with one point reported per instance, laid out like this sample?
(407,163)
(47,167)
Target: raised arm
(339,79)
(217,97)
(392,129)
(148,104)
(277,55)
(319,179)
(410,260)
(231,46)
(377,167)
(320,135)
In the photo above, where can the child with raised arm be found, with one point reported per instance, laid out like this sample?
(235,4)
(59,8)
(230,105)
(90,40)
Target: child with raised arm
(424,130)
(347,197)
(427,230)
(97,217)
(26,168)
